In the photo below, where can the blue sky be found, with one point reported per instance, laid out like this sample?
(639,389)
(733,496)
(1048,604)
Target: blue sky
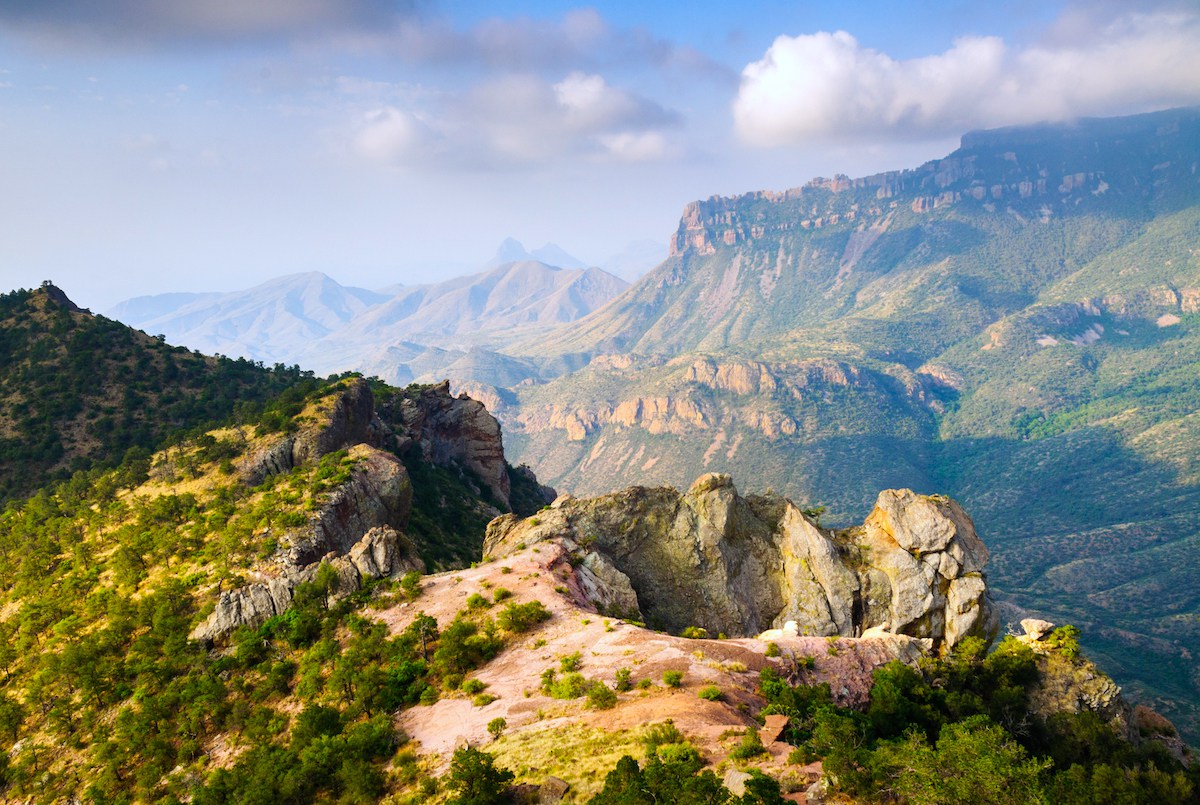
(162,145)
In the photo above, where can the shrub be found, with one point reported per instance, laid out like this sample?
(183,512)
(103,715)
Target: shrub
(477,601)
(600,696)
(772,649)
(475,780)
(571,662)
(473,686)
(660,734)
(751,746)
(694,633)
(624,679)
(484,699)
(673,679)
(710,692)
(569,686)
(522,617)
(410,583)
(496,727)
(501,594)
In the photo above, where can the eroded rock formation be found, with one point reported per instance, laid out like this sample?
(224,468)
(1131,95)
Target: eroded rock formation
(739,565)
(359,528)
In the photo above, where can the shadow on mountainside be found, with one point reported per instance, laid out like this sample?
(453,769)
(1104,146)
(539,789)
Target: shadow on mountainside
(1085,530)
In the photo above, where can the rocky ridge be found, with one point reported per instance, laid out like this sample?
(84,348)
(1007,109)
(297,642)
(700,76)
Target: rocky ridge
(359,530)
(736,565)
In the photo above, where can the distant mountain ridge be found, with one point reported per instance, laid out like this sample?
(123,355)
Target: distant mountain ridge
(310,319)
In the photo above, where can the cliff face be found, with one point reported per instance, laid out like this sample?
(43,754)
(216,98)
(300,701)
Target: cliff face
(360,528)
(740,565)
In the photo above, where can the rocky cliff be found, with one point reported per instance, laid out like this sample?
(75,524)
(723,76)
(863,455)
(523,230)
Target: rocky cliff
(740,565)
(359,528)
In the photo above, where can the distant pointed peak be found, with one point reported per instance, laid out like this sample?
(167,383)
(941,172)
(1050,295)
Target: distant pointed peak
(510,249)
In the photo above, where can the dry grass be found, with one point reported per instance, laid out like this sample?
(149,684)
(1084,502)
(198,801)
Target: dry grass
(579,754)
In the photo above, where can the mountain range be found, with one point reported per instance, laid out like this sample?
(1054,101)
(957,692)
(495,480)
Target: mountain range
(339,590)
(1017,324)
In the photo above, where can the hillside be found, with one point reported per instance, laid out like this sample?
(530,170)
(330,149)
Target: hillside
(1015,323)
(78,391)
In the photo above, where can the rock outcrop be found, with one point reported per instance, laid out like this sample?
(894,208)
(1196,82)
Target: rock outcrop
(380,552)
(456,430)
(740,565)
(358,529)
(337,421)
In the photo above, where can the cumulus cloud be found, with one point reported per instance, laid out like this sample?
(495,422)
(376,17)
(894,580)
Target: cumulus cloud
(827,86)
(520,120)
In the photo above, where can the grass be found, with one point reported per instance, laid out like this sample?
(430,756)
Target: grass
(580,755)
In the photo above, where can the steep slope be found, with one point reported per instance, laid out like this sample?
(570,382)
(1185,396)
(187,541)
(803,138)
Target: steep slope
(79,390)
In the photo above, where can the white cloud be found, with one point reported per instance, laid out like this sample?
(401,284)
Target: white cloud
(826,86)
(630,146)
(517,121)
(391,135)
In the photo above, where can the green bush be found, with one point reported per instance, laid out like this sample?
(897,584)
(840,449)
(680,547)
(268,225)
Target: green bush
(672,679)
(624,679)
(600,696)
(472,686)
(750,746)
(710,692)
(475,780)
(522,617)
(571,662)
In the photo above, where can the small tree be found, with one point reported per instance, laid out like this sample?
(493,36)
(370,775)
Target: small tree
(475,780)
(496,727)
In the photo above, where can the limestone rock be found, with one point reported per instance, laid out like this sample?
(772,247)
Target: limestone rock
(714,559)
(1036,628)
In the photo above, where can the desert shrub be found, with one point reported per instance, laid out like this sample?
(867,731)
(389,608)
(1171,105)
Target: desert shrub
(522,617)
(600,696)
(710,692)
(571,662)
(473,686)
(750,746)
(672,679)
(624,679)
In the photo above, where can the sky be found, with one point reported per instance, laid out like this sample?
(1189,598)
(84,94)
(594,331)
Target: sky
(150,146)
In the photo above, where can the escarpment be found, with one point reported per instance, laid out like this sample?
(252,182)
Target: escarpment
(741,565)
(360,529)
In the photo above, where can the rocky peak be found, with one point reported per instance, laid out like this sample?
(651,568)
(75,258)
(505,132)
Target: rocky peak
(740,565)
(450,429)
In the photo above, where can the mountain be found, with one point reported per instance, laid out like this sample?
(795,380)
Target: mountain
(82,391)
(310,320)
(140,310)
(511,250)
(479,310)
(1016,323)
(280,608)
(265,323)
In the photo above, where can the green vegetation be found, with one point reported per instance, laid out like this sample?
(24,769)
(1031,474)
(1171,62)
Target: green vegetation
(672,679)
(961,729)
(81,392)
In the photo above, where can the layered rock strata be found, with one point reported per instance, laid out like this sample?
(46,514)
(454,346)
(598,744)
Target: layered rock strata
(740,565)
